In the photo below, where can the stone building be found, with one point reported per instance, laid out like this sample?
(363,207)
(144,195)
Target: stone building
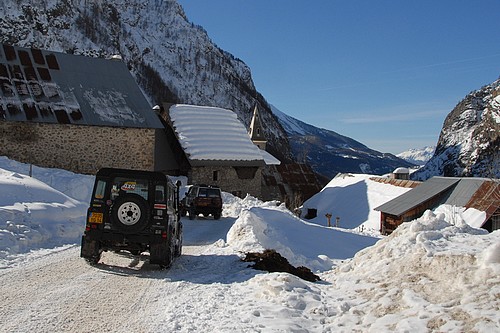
(213,147)
(77,113)
(81,114)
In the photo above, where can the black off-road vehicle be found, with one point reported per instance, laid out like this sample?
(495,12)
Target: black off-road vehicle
(135,211)
(203,199)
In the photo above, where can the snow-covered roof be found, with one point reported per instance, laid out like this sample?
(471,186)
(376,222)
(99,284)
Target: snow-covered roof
(401,170)
(269,159)
(52,87)
(211,134)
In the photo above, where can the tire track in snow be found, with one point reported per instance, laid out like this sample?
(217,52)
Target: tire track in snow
(62,293)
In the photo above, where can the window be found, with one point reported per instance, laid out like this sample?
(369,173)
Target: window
(160,193)
(213,192)
(215,175)
(99,189)
(122,186)
(495,222)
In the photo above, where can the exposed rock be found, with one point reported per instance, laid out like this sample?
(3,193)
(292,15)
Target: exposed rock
(272,261)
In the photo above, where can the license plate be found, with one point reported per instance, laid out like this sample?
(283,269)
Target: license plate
(95,217)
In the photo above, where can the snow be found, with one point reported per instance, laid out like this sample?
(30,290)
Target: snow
(401,170)
(495,105)
(112,108)
(352,198)
(289,124)
(210,133)
(436,273)
(418,156)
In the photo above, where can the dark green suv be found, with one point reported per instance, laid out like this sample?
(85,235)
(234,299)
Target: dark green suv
(136,211)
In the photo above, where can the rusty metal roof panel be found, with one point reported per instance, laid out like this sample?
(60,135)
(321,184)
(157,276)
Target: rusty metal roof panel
(52,87)
(486,198)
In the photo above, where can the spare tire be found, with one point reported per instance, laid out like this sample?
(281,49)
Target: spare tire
(130,213)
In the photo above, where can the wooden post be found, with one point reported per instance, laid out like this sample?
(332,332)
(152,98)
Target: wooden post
(337,221)
(328,217)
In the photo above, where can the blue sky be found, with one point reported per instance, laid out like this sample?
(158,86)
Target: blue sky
(385,73)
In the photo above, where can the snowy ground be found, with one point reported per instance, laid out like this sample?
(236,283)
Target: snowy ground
(429,275)
(352,198)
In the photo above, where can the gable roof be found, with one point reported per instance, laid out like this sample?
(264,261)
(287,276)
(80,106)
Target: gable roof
(480,193)
(51,87)
(213,136)
(418,195)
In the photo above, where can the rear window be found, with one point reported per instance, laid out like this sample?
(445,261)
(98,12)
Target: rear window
(209,192)
(122,186)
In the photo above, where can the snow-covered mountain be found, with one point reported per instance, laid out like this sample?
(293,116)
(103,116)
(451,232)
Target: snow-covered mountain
(469,143)
(329,153)
(417,156)
(174,60)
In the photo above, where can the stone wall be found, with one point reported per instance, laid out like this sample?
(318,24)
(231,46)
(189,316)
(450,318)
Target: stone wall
(81,149)
(229,179)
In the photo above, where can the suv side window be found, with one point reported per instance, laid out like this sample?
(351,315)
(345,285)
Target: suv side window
(160,193)
(192,191)
(100,189)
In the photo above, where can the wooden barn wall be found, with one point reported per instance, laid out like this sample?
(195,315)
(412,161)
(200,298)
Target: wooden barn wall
(390,222)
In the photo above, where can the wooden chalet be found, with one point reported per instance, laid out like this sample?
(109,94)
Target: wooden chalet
(479,193)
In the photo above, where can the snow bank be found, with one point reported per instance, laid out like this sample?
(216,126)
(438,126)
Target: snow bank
(233,206)
(74,185)
(34,215)
(428,275)
(302,243)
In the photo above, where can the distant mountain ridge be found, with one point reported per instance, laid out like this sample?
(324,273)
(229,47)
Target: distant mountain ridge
(418,156)
(469,143)
(175,61)
(330,153)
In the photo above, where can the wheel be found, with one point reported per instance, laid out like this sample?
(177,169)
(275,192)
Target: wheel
(178,247)
(161,254)
(192,214)
(130,213)
(90,250)
(217,216)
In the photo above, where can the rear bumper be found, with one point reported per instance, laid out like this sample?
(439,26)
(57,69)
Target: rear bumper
(118,240)
(207,210)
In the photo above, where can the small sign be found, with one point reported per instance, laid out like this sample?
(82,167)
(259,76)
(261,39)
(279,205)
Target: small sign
(128,186)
